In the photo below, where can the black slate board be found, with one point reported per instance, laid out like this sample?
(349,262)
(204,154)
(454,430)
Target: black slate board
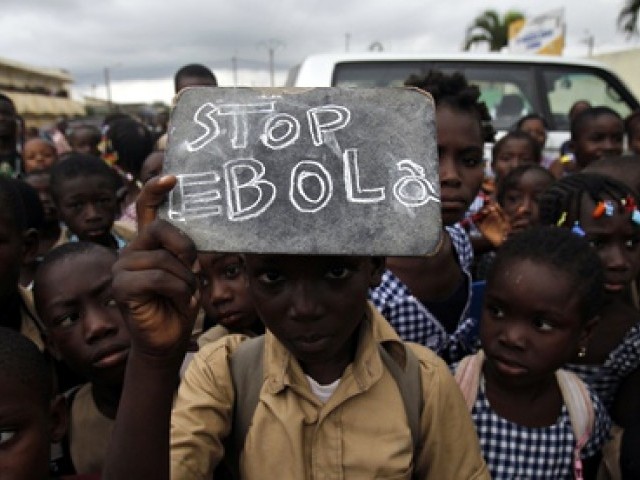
(294,170)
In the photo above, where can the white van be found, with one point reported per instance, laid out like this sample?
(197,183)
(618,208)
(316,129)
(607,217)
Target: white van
(511,85)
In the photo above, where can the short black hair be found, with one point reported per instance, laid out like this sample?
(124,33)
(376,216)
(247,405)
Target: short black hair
(93,130)
(511,179)
(563,250)
(532,116)
(516,135)
(11,202)
(455,92)
(588,115)
(625,168)
(132,141)
(194,70)
(21,361)
(80,165)
(564,197)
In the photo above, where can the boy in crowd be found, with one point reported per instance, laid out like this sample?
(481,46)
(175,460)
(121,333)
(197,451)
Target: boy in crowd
(323,374)
(86,331)
(31,416)
(83,189)
(39,154)
(16,245)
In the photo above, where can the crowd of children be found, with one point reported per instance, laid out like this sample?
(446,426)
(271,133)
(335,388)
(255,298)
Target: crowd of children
(510,351)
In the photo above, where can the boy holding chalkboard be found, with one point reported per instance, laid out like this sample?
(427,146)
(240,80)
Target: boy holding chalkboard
(329,406)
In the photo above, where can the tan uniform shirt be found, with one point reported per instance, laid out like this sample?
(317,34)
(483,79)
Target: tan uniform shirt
(362,432)
(29,326)
(89,433)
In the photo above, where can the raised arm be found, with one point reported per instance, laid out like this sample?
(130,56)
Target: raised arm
(155,284)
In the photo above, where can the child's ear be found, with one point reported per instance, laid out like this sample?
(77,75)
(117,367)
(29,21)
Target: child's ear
(30,244)
(59,415)
(587,331)
(379,264)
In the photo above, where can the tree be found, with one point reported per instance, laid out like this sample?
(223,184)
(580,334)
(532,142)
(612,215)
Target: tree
(489,28)
(628,17)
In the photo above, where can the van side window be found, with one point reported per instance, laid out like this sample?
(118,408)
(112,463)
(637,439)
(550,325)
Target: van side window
(565,87)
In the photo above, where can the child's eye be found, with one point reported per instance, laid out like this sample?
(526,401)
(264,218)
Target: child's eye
(338,273)
(596,243)
(67,320)
(204,281)
(542,324)
(495,311)
(232,271)
(6,435)
(111,302)
(471,161)
(631,243)
(270,277)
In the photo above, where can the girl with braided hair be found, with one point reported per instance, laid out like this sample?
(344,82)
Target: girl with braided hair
(604,211)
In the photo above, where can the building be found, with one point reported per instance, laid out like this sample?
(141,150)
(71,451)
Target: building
(41,95)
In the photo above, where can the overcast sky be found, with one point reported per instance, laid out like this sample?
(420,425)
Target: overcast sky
(143,42)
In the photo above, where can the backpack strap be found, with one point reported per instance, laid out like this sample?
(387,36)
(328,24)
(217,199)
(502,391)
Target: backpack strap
(580,406)
(467,376)
(409,381)
(245,366)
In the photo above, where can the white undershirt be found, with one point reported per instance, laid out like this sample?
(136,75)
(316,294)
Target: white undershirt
(323,392)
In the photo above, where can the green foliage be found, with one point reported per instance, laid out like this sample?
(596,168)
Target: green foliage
(489,27)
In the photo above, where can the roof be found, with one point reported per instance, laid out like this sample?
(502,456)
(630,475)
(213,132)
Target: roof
(58,74)
(33,104)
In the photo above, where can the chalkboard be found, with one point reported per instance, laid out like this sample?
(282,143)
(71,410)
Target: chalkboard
(295,170)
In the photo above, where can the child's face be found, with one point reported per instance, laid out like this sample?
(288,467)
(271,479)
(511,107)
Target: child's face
(634,137)
(313,304)
(27,429)
(600,137)
(85,327)
(40,181)
(11,253)
(84,141)
(617,240)
(38,155)
(461,164)
(225,294)
(531,323)
(514,152)
(521,203)
(535,128)
(88,207)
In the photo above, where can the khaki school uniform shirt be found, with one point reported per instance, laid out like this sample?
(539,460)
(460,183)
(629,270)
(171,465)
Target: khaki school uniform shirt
(30,325)
(89,432)
(362,431)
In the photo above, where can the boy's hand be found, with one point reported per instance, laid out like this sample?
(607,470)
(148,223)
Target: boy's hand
(155,279)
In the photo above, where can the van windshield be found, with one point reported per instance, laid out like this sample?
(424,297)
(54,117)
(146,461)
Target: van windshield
(510,90)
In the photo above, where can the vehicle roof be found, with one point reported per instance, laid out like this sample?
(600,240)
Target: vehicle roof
(321,66)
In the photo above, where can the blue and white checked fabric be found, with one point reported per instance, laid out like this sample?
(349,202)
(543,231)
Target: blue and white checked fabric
(415,323)
(605,379)
(512,451)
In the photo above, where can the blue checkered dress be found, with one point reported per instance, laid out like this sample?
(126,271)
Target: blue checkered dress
(516,452)
(415,323)
(606,378)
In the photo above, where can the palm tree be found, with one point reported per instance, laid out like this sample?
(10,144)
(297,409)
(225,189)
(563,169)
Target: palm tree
(628,18)
(490,28)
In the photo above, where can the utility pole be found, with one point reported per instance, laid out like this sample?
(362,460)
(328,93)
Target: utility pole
(271,45)
(347,41)
(234,68)
(589,40)
(107,84)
